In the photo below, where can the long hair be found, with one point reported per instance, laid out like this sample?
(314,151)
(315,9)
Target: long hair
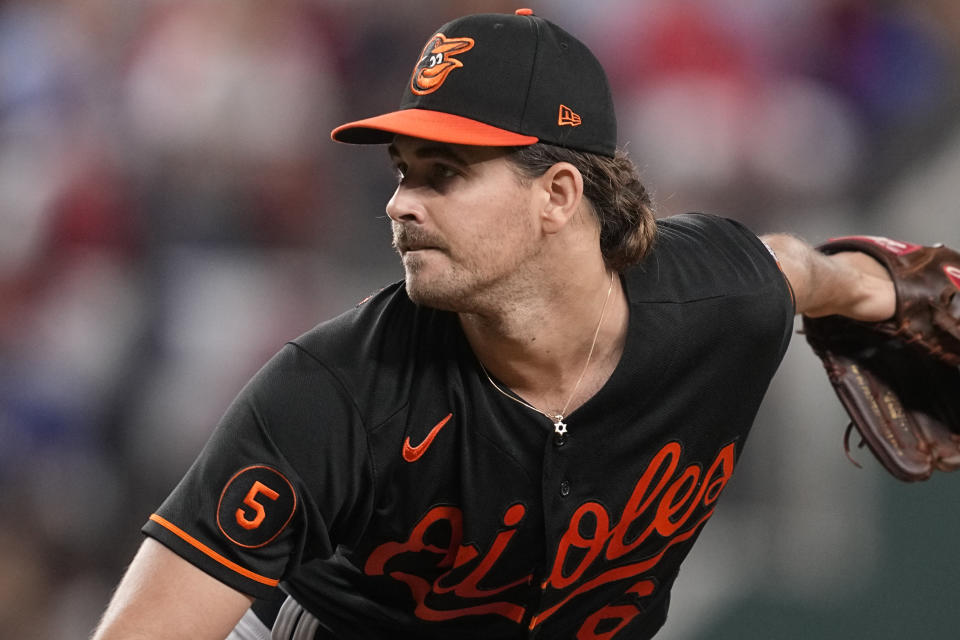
(622,204)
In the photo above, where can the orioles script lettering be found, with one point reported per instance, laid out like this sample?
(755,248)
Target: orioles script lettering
(668,505)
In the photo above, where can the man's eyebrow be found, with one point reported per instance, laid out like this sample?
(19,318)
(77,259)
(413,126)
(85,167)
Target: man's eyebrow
(431,151)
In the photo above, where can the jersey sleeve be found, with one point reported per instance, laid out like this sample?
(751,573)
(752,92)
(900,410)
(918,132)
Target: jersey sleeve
(283,477)
(714,257)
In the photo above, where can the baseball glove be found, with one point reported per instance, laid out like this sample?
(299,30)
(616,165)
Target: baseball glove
(899,379)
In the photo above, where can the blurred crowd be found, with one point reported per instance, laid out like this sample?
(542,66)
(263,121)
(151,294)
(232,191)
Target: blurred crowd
(172,209)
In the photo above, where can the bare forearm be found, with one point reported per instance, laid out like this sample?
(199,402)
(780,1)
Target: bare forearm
(163,597)
(850,283)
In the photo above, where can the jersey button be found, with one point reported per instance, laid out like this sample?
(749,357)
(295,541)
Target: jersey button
(559,439)
(565,488)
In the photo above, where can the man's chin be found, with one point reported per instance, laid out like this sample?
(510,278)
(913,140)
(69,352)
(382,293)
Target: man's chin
(426,297)
(429,294)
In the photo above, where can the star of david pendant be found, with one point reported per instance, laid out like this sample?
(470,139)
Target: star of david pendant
(559,427)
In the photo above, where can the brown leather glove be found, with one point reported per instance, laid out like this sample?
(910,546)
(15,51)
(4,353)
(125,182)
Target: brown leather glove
(899,379)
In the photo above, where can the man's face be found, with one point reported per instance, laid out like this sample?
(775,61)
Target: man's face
(463,223)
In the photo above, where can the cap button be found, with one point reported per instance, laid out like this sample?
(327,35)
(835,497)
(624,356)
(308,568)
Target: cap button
(524,12)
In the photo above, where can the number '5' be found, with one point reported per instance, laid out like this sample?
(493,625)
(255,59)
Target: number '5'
(251,501)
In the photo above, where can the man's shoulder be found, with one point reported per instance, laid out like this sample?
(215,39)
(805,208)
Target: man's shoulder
(362,360)
(383,326)
(361,317)
(697,255)
(388,310)
(700,228)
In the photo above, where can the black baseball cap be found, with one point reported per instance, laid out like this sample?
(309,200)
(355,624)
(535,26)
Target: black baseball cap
(500,80)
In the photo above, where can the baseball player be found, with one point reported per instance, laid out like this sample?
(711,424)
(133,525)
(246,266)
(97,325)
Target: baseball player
(525,437)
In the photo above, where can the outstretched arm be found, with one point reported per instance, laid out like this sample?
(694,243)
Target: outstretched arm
(850,284)
(164,597)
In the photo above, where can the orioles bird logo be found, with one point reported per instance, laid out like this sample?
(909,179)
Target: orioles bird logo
(437,61)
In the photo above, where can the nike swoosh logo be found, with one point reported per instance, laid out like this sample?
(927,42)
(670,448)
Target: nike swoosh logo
(411,453)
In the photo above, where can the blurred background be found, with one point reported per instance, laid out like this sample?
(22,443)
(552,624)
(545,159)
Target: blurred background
(172,210)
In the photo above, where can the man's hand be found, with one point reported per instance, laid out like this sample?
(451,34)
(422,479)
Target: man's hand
(884,317)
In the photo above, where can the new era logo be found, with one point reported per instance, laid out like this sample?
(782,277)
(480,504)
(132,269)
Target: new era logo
(568,117)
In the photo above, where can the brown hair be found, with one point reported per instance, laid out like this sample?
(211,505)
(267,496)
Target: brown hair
(622,204)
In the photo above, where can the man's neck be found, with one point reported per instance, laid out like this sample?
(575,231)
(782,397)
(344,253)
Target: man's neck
(539,348)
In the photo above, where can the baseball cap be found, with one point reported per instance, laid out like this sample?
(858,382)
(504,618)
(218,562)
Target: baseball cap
(500,80)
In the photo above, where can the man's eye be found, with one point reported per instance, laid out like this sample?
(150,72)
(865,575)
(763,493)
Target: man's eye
(443,171)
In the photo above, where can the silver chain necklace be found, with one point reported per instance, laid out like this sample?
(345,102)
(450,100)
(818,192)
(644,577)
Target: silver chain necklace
(559,426)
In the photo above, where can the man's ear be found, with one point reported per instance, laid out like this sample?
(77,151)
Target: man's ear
(563,190)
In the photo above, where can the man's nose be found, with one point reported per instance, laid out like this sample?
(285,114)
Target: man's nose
(405,206)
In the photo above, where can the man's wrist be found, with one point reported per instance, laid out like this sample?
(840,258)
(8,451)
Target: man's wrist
(872,296)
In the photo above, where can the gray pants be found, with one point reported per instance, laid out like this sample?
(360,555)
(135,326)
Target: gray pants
(293,623)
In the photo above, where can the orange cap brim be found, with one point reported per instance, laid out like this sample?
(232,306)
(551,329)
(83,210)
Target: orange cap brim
(429,125)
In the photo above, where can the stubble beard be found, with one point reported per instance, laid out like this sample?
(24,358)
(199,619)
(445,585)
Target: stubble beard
(423,289)
(447,291)
(484,283)
(427,285)
(460,288)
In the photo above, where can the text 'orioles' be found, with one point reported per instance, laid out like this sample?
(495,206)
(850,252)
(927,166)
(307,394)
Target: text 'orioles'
(666,500)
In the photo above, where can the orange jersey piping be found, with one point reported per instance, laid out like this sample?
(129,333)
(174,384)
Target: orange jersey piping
(196,544)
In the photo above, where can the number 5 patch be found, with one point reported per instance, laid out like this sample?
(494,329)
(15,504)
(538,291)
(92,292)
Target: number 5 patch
(256,505)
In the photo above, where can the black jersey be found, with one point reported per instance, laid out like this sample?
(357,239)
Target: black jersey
(371,469)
